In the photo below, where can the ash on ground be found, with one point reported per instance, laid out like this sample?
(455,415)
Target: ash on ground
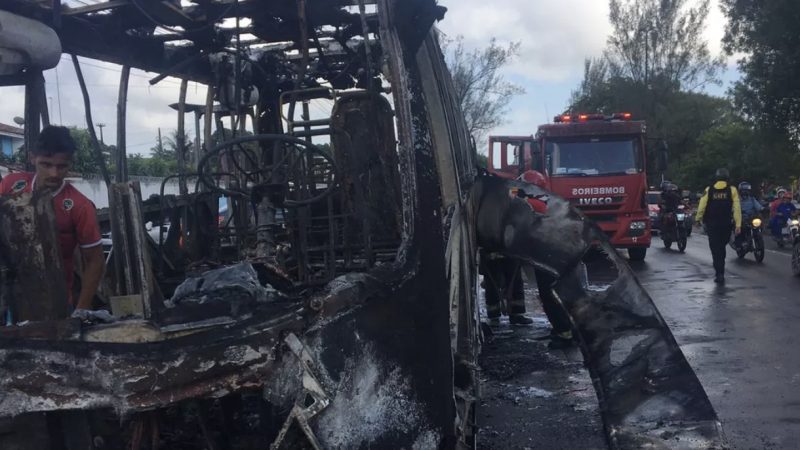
(532,396)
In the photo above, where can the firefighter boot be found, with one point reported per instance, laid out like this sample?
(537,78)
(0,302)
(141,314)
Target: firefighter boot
(519,319)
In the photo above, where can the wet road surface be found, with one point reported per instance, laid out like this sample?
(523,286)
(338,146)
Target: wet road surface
(740,338)
(534,397)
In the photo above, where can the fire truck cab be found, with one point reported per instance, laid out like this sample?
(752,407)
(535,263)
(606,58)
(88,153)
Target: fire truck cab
(595,161)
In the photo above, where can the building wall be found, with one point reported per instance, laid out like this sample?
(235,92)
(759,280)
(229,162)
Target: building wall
(95,188)
(9,144)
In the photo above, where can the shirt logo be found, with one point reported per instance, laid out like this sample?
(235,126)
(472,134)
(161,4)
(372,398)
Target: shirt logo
(19,185)
(720,196)
(68,204)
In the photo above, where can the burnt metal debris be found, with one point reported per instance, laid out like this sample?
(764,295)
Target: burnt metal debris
(649,395)
(352,320)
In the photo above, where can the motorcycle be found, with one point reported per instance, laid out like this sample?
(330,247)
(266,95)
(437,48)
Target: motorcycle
(794,229)
(689,218)
(786,232)
(751,239)
(673,229)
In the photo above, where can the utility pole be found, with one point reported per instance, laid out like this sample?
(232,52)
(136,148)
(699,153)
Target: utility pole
(101,125)
(646,50)
(160,145)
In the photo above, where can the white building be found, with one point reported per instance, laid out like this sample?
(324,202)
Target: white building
(11,139)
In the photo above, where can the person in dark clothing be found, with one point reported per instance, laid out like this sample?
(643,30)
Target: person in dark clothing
(561,332)
(670,197)
(502,279)
(718,209)
(669,202)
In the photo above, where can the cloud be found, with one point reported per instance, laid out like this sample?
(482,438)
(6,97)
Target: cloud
(555,37)
(148,106)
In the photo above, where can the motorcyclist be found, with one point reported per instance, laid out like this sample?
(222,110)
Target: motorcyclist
(783,212)
(670,200)
(751,207)
(773,205)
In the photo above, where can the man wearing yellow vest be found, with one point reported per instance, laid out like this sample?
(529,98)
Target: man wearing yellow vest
(719,208)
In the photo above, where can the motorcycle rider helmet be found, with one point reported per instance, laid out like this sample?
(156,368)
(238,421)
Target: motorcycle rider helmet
(722,174)
(745,188)
(665,185)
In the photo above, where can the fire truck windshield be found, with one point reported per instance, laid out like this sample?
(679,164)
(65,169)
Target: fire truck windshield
(593,156)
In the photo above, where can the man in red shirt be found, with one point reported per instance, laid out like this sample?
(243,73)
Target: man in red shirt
(76,220)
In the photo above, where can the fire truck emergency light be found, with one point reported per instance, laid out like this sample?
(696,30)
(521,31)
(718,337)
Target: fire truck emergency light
(567,118)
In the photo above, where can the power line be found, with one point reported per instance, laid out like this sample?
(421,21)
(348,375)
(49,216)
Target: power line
(111,69)
(131,86)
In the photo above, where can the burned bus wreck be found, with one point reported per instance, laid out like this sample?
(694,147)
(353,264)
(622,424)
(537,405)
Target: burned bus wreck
(335,305)
(317,313)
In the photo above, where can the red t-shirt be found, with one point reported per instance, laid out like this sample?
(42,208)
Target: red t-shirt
(76,219)
(773,207)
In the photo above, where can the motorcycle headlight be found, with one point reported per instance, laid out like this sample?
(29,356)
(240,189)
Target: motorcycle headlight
(795,222)
(681,216)
(756,223)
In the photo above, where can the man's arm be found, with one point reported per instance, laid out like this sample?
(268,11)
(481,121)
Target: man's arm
(737,209)
(701,207)
(93,267)
(90,242)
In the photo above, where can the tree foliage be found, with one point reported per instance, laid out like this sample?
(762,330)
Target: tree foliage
(652,66)
(480,88)
(749,154)
(84,161)
(766,33)
(660,40)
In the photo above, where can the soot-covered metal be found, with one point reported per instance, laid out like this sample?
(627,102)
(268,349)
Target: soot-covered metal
(649,395)
(307,316)
(314,283)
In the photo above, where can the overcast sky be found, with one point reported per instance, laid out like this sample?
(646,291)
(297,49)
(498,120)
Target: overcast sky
(555,36)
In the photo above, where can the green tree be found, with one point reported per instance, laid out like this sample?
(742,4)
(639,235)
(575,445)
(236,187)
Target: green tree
(653,63)
(480,88)
(483,160)
(84,161)
(766,33)
(660,40)
(750,155)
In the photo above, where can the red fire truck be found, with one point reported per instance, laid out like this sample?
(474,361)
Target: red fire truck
(595,161)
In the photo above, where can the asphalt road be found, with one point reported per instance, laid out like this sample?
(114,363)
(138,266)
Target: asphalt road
(532,396)
(740,338)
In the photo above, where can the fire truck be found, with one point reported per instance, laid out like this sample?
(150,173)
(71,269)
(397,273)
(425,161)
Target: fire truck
(595,161)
